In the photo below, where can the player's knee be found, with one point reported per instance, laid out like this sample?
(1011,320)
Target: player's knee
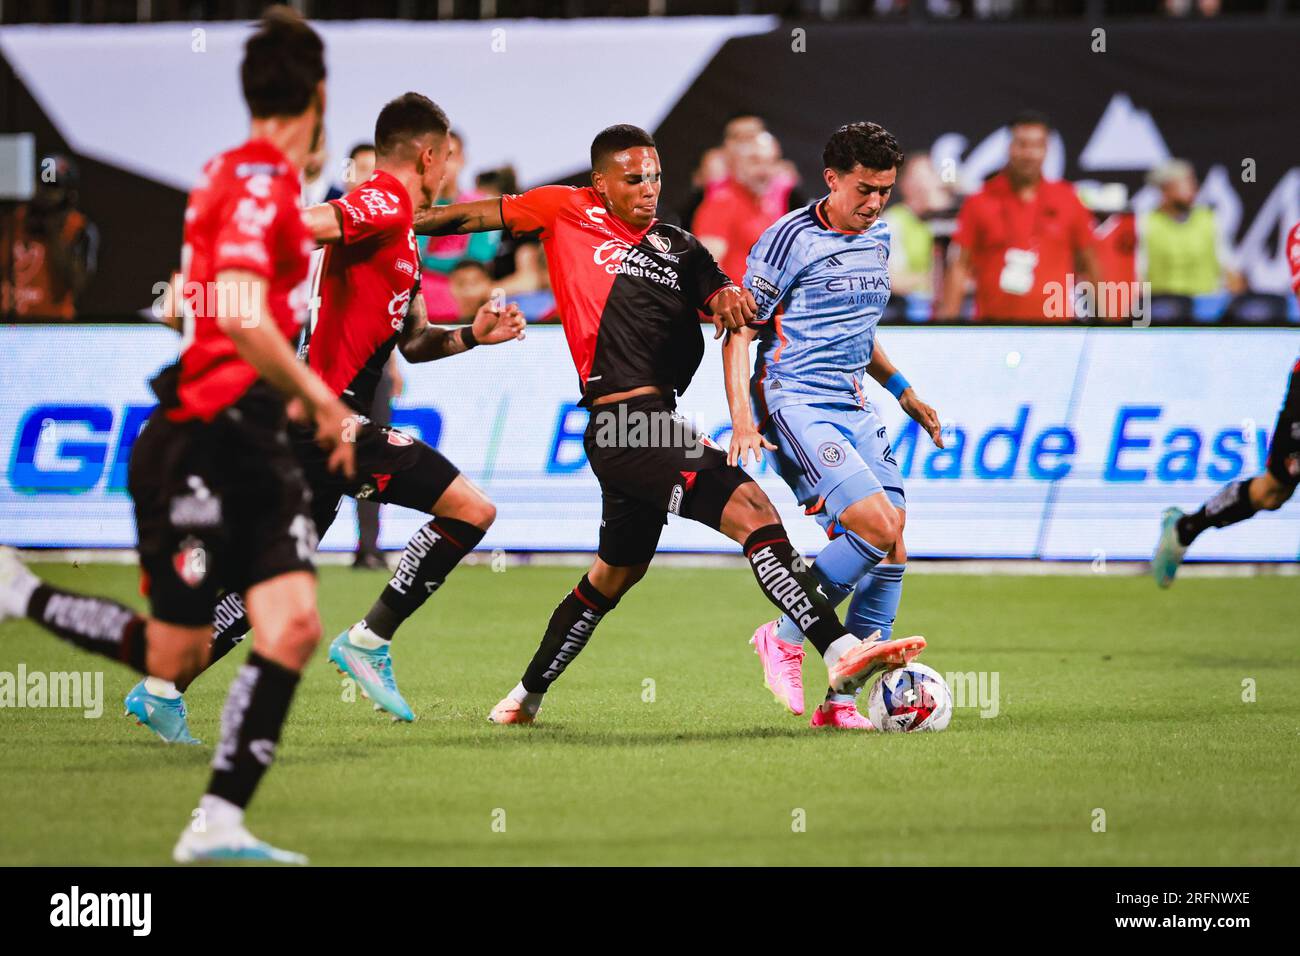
(1274,496)
(478,511)
(752,508)
(615,581)
(301,631)
(880,527)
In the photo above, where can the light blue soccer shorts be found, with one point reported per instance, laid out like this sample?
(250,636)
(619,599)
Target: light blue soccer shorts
(832,455)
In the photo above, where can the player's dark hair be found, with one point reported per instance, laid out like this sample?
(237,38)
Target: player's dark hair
(615,139)
(1030,118)
(867,144)
(360,148)
(408,117)
(283,62)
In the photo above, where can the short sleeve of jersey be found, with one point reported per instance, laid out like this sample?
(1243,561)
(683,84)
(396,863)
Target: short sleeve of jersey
(706,277)
(367,212)
(533,213)
(765,282)
(261,210)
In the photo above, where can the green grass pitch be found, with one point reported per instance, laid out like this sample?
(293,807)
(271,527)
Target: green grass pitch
(1113,697)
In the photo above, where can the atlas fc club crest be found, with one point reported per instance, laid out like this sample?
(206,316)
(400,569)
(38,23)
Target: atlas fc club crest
(399,438)
(662,243)
(191,561)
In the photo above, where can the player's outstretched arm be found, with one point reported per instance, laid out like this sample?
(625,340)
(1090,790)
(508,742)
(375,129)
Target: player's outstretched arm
(745,436)
(887,374)
(492,325)
(261,345)
(323,222)
(481,215)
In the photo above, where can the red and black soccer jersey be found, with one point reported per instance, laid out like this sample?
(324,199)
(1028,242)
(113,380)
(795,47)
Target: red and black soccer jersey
(243,215)
(366,283)
(629,301)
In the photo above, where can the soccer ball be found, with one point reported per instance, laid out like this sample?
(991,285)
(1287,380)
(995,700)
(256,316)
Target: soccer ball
(910,698)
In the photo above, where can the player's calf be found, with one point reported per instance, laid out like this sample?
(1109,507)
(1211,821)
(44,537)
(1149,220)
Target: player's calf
(572,624)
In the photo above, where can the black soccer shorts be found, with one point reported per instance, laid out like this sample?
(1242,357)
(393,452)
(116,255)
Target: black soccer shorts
(1284,450)
(392,467)
(650,462)
(219,506)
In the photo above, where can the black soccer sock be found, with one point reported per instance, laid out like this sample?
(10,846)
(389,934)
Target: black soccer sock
(250,728)
(429,557)
(569,630)
(96,624)
(230,625)
(796,593)
(1229,505)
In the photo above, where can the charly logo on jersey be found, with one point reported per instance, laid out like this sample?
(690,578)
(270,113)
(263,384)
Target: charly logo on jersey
(596,214)
(618,257)
(398,306)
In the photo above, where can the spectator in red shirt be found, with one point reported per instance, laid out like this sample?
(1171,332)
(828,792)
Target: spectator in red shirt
(1019,237)
(735,213)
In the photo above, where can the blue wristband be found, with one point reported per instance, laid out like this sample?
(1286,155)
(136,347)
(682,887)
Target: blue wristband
(897,385)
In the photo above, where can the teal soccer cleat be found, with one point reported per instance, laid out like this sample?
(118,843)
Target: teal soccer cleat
(1169,550)
(230,844)
(164,716)
(373,672)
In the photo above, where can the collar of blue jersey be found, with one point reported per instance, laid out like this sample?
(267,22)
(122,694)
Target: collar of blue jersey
(824,220)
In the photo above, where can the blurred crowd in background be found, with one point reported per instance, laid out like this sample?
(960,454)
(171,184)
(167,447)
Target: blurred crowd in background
(1018,249)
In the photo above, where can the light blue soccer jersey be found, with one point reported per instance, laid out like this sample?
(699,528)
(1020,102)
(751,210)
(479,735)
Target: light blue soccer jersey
(820,293)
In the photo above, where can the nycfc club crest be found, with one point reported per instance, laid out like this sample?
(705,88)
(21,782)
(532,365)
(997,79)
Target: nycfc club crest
(662,243)
(191,561)
(831,453)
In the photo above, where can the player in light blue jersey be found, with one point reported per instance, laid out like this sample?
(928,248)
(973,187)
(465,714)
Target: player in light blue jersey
(820,278)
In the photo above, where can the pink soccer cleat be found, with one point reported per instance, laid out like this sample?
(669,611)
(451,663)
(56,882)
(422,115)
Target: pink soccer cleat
(863,662)
(841,714)
(782,666)
(510,711)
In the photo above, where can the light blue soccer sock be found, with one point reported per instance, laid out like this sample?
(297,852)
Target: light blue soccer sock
(874,607)
(839,567)
(875,601)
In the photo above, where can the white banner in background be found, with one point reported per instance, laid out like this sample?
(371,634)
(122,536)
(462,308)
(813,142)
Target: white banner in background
(465,66)
(1062,443)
